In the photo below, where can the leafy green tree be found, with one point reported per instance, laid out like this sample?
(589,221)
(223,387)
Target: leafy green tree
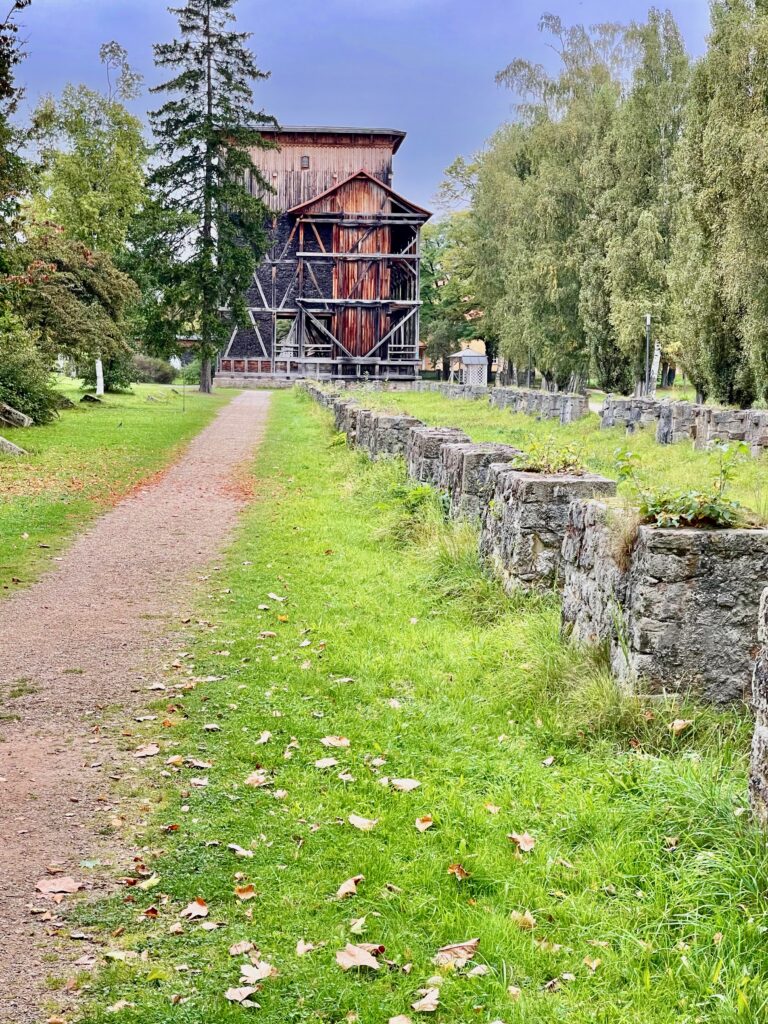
(74,298)
(205,176)
(14,172)
(92,159)
(26,382)
(447,318)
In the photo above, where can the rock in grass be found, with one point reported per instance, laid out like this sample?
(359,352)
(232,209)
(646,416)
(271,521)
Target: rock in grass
(11,417)
(9,448)
(91,398)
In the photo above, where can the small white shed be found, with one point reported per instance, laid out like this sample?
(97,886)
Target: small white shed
(469,368)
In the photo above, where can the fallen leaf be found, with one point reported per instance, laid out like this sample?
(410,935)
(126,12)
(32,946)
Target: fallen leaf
(197,908)
(424,822)
(680,725)
(405,785)
(457,954)
(355,956)
(492,808)
(524,842)
(479,972)
(63,884)
(240,947)
(245,892)
(241,996)
(326,762)
(514,992)
(148,750)
(592,964)
(252,973)
(335,741)
(429,1001)
(400,1019)
(357,925)
(239,851)
(548,762)
(265,737)
(525,921)
(121,1004)
(349,888)
(257,779)
(458,872)
(364,824)
(302,947)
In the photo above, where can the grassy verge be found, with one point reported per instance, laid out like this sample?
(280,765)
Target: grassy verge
(84,461)
(639,897)
(678,467)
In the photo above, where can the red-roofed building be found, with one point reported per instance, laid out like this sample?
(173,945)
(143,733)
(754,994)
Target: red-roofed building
(337,295)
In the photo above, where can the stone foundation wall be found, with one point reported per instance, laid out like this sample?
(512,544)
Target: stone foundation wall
(679,606)
(465,475)
(629,413)
(524,523)
(547,405)
(389,434)
(424,451)
(758,767)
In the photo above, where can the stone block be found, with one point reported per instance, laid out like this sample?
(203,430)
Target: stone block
(464,475)
(389,434)
(525,521)
(424,448)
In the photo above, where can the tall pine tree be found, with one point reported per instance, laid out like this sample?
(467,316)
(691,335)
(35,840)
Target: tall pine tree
(205,131)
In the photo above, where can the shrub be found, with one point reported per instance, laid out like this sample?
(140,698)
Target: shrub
(148,370)
(549,457)
(26,382)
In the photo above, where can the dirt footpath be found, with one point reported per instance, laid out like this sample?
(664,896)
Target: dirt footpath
(82,643)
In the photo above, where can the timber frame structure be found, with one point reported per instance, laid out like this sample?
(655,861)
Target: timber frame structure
(337,295)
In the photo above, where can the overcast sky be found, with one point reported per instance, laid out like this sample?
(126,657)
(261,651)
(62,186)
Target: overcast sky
(424,66)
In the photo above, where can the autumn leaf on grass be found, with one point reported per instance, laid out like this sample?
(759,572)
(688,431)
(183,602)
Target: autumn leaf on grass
(241,947)
(457,954)
(257,779)
(363,824)
(680,725)
(326,762)
(335,741)
(479,972)
(430,999)
(524,842)
(349,888)
(241,996)
(357,925)
(253,973)
(400,1019)
(424,822)
(197,908)
(492,808)
(302,947)
(525,921)
(245,892)
(592,964)
(62,885)
(265,737)
(459,872)
(355,956)
(239,851)
(405,785)
(148,750)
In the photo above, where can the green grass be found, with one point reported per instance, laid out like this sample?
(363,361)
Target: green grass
(392,635)
(678,467)
(82,463)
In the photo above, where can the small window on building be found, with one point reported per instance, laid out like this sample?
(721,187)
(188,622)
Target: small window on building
(305,163)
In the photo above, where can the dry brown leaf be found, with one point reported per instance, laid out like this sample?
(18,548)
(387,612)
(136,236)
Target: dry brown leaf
(363,824)
(492,808)
(349,888)
(458,872)
(241,996)
(240,947)
(355,956)
(592,964)
(424,822)
(457,954)
(524,842)
(525,921)
(514,992)
(265,737)
(257,779)
(430,1000)
(326,762)
(148,750)
(196,909)
(400,1019)
(253,973)
(302,947)
(405,785)
(357,925)
(239,851)
(245,892)
(680,725)
(64,884)
(335,741)
(479,972)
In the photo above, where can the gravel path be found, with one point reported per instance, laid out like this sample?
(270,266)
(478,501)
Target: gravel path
(77,653)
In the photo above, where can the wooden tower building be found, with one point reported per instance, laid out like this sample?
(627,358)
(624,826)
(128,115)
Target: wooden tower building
(337,295)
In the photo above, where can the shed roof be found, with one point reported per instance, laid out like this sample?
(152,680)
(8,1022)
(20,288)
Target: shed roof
(293,129)
(466,355)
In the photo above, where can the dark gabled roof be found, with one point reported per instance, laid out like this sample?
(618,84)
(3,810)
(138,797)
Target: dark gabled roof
(361,174)
(293,129)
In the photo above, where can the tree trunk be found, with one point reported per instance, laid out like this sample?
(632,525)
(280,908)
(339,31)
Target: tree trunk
(205,377)
(99,378)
